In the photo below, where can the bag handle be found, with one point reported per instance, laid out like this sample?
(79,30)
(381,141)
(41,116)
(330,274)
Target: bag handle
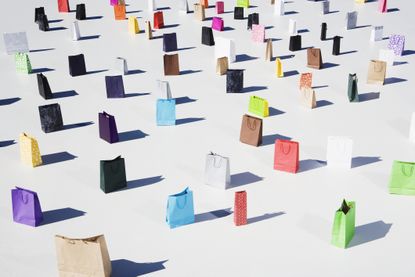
(282,148)
(248,123)
(218,158)
(404,173)
(23,198)
(378,66)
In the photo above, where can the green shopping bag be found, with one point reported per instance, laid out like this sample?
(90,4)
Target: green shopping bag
(242,3)
(344,224)
(402,180)
(258,106)
(23,63)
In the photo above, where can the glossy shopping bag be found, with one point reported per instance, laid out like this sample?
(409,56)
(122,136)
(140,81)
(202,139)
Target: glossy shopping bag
(80,12)
(166,112)
(253,18)
(107,127)
(344,224)
(26,207)
(169,42)
(171,64)
(180,210)
(286,155)
(402,179)
(217,24)
(242,3)
(77,65)
(258,106)
(63,6)
(119,12)
(158,20)
(207,36)
(220,7)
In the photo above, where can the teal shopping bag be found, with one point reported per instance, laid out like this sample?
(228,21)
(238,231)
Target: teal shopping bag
(180,209)
(166,112)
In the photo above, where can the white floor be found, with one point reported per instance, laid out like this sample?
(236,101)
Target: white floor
(290,214)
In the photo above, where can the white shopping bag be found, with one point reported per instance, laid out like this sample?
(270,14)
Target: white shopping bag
(152,6)
(279,7)
(163,88)
(121,65)
(225,47)
(351,20)
(217,172)
(388,56)
(412,129)
(292,27)
(183,6)
(76,35)
(377,33)
(325,6)
(339,152)
(16,43)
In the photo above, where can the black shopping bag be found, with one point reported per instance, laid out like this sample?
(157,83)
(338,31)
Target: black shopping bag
(207,36)
(77,65)
(50,118)
(43,85)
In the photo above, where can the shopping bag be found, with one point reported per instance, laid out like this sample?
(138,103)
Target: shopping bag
(169,42)
(344,224)
(225,47)
(242,3)
(166,112)
(180,210)
(222,65)
(16,43)
(121,65)
(199,12)
(217,24)
(258,33)
(397,44)
(77,65)
(133,25)
(50,118)
(115,86)
(113,2)
(383,6)
(240,208)
(402,179)
(163,88)
(258,106)
(43,23)
(183,6)
(306,80)
(149,32)
(220,7)
(158,20)
(82,257)
(412,128)
(279,7)
(63,6)
(292,27)
(26,207)
(119,12)
(325,6)
(323,33)
(217,172)
(336,45)
(376,72)
(360,1)
(339,152)
(295,43)
(351,20)
(234,80)
(238,13)
(80,12)
(29,150)
(352,91)
(314,59)
(207,36)
(308,97)
(204,3)
(286,155)
(76,35)
(38,13)
(251,130)
(112,174)
(43,86)
(377,33)
(279,71)
(152,6)
(253,18)
(23,64)
(268,50)
(107,127)
(171,64)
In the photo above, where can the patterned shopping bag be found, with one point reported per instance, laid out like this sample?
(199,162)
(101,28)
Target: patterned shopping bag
(306,80)
(23,63)
(258,33)
(240,208)
(397,44)
(29,150)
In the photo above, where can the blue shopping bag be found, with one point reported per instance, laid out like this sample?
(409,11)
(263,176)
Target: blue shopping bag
(180,209)
(166,112)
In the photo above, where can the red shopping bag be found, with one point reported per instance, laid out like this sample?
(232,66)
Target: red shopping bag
(63,6)
(286,155)
(158,20)
(240,214)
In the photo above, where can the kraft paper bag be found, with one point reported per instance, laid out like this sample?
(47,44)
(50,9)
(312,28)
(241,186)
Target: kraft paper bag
(402,179)
(112,175)
(107,127)
(352,91)
(258,106)
(23,64)
(43,86)
(225,47)
(376,33)
(199,12)
(121,65)
(133,27)
(115,86)
(268,50)
(207,36)
(344,224)
(217,171)
(251,130)
(16,43)
(397,44)
(314,59)
(222,65)
(76,35)
(351,20)
(376,72)
(183,6)
(240,213)
(50,118)
(412,128)
(306,80)
(279,71)
(180,209)
(151,6)
(279,7)
(26,207)
(29,150)
(171,64)
(339,152)
(286,155)
(163,88)
(82,257)
(292,27)
(258,33)
(166,112)
(308,97)
(325,7)
(149,31)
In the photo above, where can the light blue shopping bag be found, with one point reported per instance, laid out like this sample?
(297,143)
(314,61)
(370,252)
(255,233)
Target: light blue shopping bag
(180,209)
(166,112)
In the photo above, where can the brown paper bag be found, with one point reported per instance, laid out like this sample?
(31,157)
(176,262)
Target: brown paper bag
(83,257)
(268,50)
(314,59)
(222,65)
(308,97)
(171,64)
(376,73)
(199,11)
(149,32)
(251,130)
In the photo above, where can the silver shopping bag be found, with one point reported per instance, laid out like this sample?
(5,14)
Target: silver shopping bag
(163,88)
(121,65)
(351,20)
(16,43)
(217,171)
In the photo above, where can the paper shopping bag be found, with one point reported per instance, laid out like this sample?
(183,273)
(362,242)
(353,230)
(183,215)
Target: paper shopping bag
(325,7)
(152,6)
(115,86)
(314,59)
(207,36)
(323,33)
(402,179)
(292,27)
(82,257)
(217,24)
(121,65)
(43,86)
(77,65)
(279,71)
(286,155)
(80,12)
(351,20)
(113,2)
(163,88)
(251,130)
(268,50)
(295,43)
(258,106)
(166,112)
(23,64)
(240,208)
(344,224)
(352,91)
(107,127)
(76,35)
(238,13)
(26,207)
(184,6)
(308,97)
(222,65)
(204,3)
(199,12)
(242,3)
(383,7)
(50,118)
(360,1)
(253,18)
(336,45)
(171,64)
(133,27)
(258,33)
(63,6)
(180,210)
(397,44)
(306,80)
(112,175)
(119,12)
(376,72)
(376,33)
(169,42)
(38,13)
(217,172)
(234,80)
(225,47)
(339,152)
(220,7)
(43,23)
(29,150)
(16,43)
(149,32)
(279,7)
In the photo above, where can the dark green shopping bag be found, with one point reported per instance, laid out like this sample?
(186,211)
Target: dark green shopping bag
(113,175)
(352,91)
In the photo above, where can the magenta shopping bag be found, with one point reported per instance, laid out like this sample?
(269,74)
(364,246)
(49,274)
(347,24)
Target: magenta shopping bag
(217,24)
(26,207)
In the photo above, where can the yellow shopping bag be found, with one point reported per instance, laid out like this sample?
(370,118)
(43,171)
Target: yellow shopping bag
(258,106)
(133,25)
(29,150)
(280,73)
(360,1)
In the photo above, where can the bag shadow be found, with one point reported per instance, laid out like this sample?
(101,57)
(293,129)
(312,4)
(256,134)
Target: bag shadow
(362,160)
(127,268)
(212,215)
(264,217)
(184,100)
(57,215)
(57,158)
(7,143)
(270,139)
(131,135)
(188,120)
(310,164)
(369,232)
(244,178)
(9,101)
(143,182)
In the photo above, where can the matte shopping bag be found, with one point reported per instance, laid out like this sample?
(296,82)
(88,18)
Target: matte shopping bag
(115,86)
(112,175)
(295,43)
(204,3)
(184,6)
(344,224)
(63,6)
(207,36)
(268,50)
(16,43)
(397,44)
(119,12)
(234,80)
(292,27)
(225,47)
(325,6)
(308,97)
(383,6)
(217,171)
(258,33)
(43,86)
(23,64)
(26,207)
(222,65)
(336,45)
(238,13)
(107,127)
(149,31)
(180,210)
(323,33)
(402,179)
(199,12)
(43,23)
(80,12)
(50,118)
(220,7)
(76,35)
(217,24)
(314,59)
(158,20)
(251,130)
(286,155)
(29,150)
(279,7)
(258,106)
(412,128)
(253,18)
(279,71)
(376,72)
(306,80)
(133,25)
(169,42)
(339,152)
(351,20)
(352,91)
(77,65)
(166,112)
(242,3)
(83,257)
(121,65)
(171,64)
(38,13)
(163,88)
(240,208)
(377,33)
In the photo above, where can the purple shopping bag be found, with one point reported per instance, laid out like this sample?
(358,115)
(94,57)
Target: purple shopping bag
(115,86)
(107,127)
(26,207)
(397,44)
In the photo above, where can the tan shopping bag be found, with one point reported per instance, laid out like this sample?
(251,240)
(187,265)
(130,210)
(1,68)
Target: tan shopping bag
(376,73)
(251,130)
(149,32)
(222,65)
(308,97)
(314,59)
(199,11)
(268,50)
(29,150)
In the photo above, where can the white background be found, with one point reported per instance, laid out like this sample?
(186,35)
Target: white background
(294,239)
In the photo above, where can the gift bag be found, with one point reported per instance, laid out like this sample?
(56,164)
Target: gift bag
(377,33)
(16,43)
(325,7)
(113,2)
(225,47)
(112,174)
(107,127)
(222,65)
(352,91)
(234,80)
(43,86)
(295,43)
(26,207)
(199,12)
(383,6)
(268,50)
(115,86)
(38,13)
(351,20)
(183,6)
(279,7)
(166,112)
(207,36)
(50,118)
(29,150)
(314,59)
(80,12)
(258,33)
(376,72)
(82,257)
(204,3)
(238,13)
(217,172)
(77,65)
(336,45)
(402,180)
(217,24)
(171,64)
(220,7)
(169,42)
(344,224)
(43,23)
(163,88)
(240,208)
(149,32)
(258,106)
(180,209)
(63,6)
(323,33)
(121,65)
(133,25)
(242,3)
(286,155)
(76,35)
(279,71)
(23,64)
(306,80)
(251,130)
(397,44)
(292,27)
(308,97)
(152,6)
(253,18)
(339,152)
(119,12)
